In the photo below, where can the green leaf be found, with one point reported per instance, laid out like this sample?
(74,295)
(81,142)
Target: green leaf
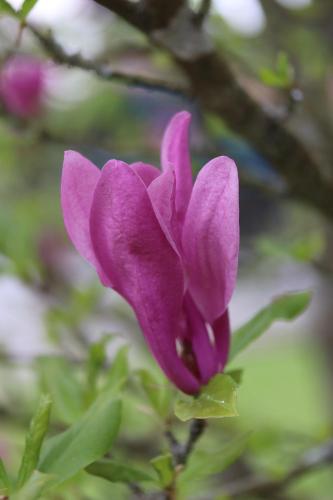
(202,464)
(84,442)
(27,6)
(96,360)
(34,439)
(158,393)
(117,472)
(35,487)
(282,75)
(163,465)
(4,479)
(118,373)
(6,8)
(237,375)
(216,400)
(57,378)
(304,249)
(284,308)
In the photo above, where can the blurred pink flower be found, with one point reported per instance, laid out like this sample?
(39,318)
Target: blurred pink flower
(169,247)
(22,85)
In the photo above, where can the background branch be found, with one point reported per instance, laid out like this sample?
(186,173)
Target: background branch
(217,90)
(311,460)
(103,71)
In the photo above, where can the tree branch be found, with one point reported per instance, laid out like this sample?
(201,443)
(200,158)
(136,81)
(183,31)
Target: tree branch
(217,90)
(106,73)
(312,460)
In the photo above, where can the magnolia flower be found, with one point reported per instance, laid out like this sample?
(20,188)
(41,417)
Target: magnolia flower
(22,84)
(169,247)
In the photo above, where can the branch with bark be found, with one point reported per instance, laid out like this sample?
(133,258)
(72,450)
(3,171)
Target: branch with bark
(172,27)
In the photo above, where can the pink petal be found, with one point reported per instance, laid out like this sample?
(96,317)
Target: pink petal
(221,330)
(147,172)
(205,354)
(162,192)
(78,182)
(133,250)
(175,155)
(211,237)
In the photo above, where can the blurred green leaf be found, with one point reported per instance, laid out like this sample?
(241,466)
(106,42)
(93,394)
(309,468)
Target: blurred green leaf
(56,376)
(305,249)
(237,375)
(27,6)
(163,465)
(284,308)
(202,464)
(117,375)
(96,360)
(6,8)
(216,400)
(117,472)
(281,76)
(35,487)
(158,393)
(84,442)
(34,439)
(4,479)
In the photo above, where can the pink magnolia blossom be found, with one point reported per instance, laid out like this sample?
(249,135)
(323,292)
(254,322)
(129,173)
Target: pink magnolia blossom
(169,247)
(22,84)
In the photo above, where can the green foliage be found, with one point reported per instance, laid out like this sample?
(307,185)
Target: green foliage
(285,308)
(84,442)
(203,464)
(281,76)
(158,392)
(35,487)
(117,375)
(69,316)
(305,249)
(27,6)
(163,466)
(216,400)
(34,439)
(6,8)
(96,360)
(117,472)
(58,379)
(4,479)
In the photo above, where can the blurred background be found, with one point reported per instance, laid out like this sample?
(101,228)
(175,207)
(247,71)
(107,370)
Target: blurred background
(51,301)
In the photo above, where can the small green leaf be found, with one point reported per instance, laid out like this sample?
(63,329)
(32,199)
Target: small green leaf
(96,360)
(56,376)
(4,479)
(157,392)
(84,442)
(237,375)
(202,464)
(284,308)
(35,487)
(282,75)
(216,400)
(6,8)
(27,6)
(117,472)
(163,465)
(117,375)
(34,439)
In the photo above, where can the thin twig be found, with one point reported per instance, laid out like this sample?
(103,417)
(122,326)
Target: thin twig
(59,55)
(311,460)
(181,452)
